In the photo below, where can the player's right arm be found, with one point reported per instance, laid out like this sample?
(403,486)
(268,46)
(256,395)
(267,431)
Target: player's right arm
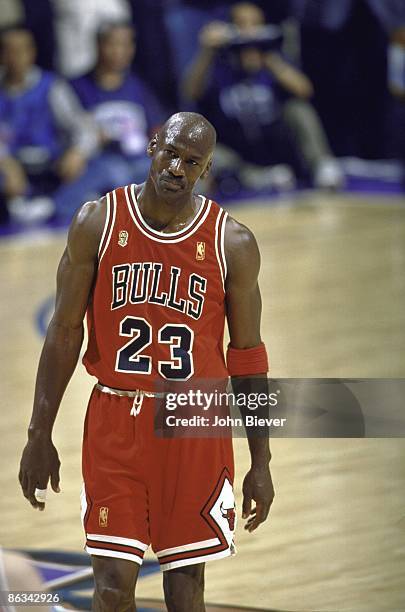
(60,353)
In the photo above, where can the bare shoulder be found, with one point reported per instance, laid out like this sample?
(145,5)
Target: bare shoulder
(241,250)
(86,229)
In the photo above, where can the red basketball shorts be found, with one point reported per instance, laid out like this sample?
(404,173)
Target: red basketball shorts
(175,494)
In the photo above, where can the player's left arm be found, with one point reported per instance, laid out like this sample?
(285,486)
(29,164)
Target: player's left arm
(243,307)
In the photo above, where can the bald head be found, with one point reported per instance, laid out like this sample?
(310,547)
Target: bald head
(195,127)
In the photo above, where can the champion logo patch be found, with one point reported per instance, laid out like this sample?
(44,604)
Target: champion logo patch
(123,238)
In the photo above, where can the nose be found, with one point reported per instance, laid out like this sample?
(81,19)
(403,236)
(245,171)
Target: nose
(176,167)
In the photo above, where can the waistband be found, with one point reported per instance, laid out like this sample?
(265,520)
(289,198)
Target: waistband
(123,393)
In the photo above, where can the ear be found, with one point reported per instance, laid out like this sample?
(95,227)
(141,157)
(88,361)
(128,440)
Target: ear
(207,169)
(152,145)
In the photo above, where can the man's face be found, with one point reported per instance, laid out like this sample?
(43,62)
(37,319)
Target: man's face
(247,16)
(117,49)
(17,52)
(179,157)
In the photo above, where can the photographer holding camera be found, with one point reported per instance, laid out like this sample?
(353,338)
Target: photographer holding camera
(259,103)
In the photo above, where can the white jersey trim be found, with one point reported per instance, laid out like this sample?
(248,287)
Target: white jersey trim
(163,234)
(222,243)
(113,214)
(192,560)
(219,246)
(106,223)
(186,547)
(167,240)
(102,552)
(83,503)
(117,540)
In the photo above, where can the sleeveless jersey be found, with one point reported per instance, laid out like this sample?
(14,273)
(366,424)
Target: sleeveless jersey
(157,310)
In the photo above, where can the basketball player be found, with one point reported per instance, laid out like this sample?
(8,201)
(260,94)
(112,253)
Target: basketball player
(156,268)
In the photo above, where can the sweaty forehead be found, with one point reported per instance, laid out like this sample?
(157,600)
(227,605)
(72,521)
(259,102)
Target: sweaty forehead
(192,135)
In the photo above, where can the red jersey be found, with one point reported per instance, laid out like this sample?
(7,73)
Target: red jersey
(158,306)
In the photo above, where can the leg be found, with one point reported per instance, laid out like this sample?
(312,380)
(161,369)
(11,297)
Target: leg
(307,131)
(311,141)
(184,588)
(115,581)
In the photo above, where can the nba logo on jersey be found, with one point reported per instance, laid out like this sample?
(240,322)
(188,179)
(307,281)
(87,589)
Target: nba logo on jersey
(103,517)
(200,251)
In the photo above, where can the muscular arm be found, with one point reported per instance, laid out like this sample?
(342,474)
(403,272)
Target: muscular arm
(243,303)
(61,349)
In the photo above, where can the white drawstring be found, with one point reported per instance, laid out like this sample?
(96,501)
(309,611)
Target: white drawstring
(138,396)
(137,403)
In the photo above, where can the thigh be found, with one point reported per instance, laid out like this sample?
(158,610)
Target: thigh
(114,497)
(191,501)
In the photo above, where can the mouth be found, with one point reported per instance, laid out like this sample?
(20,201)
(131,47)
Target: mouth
(170,184)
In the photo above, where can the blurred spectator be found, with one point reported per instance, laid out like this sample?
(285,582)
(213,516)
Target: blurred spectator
(11,12)
(76,25)
(45,137)
(257,101)
(125,112)
(396,62)
(185,18)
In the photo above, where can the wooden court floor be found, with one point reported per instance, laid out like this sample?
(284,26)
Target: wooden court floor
(333,287)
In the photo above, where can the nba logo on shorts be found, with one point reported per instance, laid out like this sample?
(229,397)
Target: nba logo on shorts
(200,252)
(103,517)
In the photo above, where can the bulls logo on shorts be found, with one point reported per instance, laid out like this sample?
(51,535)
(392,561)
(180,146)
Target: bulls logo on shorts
(229,514)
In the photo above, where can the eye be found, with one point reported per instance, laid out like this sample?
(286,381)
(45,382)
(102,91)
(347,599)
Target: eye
(192,162)
(169,152)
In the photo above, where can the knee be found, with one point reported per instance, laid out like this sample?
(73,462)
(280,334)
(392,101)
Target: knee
(297,110)
(108,597)
(184,589)
(114,584)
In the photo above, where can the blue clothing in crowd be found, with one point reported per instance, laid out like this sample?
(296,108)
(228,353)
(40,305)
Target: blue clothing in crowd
(125,115)
(27,122)
(246,109)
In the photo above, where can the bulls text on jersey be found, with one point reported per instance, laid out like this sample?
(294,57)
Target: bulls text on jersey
(136,283)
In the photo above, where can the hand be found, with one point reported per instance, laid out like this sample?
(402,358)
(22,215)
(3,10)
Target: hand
(257,486)
(39,463)
(71,165)
(15,179)
(216,34)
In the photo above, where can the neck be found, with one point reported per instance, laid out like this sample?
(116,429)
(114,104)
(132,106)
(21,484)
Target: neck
(161,213)
(16,80)
(108,79)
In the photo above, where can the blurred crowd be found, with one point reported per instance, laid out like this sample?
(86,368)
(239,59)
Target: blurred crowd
(290,85)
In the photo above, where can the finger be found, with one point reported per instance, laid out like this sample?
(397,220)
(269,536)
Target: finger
(55,480)
(30,492)
(22,477)
(262,511)
(40,495)
(246,505)
(40,492)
